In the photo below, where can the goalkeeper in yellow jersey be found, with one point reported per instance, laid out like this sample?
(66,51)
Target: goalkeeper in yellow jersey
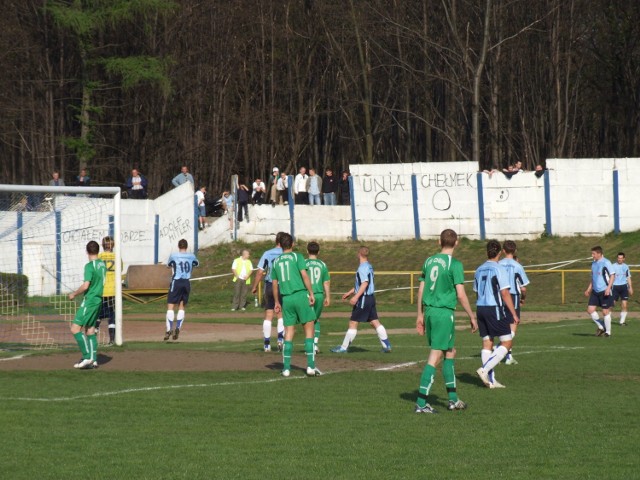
(109,294)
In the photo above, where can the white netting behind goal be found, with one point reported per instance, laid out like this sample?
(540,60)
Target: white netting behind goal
(43,238)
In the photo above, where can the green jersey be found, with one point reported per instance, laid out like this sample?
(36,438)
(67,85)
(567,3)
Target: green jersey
(286,270)
(95,273)
(318,274)
(440,274)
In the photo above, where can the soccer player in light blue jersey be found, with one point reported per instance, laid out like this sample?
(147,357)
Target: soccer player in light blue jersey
(518,289)
(622,287)
(364,305)
(182,263)
(264,272)
(599,291)
(491,283)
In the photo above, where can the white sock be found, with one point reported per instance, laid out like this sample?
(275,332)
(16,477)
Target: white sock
(596,318)
(280,328)
(623,317)
(382,335)
(349,337)
(170,316)
(266,329)
(484,356)
(607,323)
(495,358)
(180,318)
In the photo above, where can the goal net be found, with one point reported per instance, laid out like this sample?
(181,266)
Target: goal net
(44,232)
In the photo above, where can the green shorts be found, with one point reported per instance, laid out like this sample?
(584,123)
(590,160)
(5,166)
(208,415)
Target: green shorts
(296,309)
(319,305)
(440,327)
(87,314)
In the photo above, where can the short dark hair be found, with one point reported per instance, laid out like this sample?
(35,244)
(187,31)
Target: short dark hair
(364,251)
(597,249)
(108,243)
(621,254)
(286,241)
(279,237)
(509,246)
(183,244)
(448,238)
(493,248)
(313,248)
(93,248)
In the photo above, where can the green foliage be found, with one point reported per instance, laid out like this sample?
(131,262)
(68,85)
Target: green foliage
(136,70)
(256,425)
(16,285)
(83,148)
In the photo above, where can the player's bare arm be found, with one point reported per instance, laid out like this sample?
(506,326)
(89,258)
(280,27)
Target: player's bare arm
(466,306)
(420,316)
(276,295)
(256,283)
(348,294)
(523,294)
(607,290)
(81,289)
(506,299)
(587,292)
(327,294)
(359,293)
(630,286)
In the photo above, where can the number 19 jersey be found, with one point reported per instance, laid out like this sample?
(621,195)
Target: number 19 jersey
(440,274)
(318,274)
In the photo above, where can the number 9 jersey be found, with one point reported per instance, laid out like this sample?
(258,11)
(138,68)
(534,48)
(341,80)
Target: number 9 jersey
(440,274)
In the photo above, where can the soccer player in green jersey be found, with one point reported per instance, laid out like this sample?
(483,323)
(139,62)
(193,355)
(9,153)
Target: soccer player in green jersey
(441,287)
(290,279)
(94,275)
(321,285)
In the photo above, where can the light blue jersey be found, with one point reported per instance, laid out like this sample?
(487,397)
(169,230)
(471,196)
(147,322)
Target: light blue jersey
(489,279)
(622,273)
(182,263)
(365,274)
(266,262)
(517,276)
(601,271)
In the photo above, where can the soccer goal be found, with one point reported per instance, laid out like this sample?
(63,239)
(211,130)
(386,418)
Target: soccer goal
(43,236)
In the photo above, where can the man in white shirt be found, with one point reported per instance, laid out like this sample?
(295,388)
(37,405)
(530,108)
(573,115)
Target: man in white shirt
(202,211)
(300,188)
(282,186)
(259,192)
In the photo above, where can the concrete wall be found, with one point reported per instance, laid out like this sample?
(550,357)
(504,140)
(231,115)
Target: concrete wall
(391,201)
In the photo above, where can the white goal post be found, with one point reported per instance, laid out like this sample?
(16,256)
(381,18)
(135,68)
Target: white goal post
(43,235)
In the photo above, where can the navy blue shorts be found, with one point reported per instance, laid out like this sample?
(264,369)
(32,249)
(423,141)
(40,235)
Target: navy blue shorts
(365,310)
(516,303)
(179,291)
(107,309)
(492,322)
(598,299)
(620,292)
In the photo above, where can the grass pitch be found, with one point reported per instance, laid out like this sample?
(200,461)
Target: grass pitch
(568,412)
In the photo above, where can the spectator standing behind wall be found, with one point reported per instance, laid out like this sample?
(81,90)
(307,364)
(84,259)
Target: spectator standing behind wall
(243,202)
(56,181)
(273,186)
(282,187)
(343,188)
(329,187)
(137,185)
(183,177)
(83,179)
(259,192)
(314,187)
(300,187)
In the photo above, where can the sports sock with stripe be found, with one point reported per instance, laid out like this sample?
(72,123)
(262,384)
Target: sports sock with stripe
(170,317)
(266,331)
(308,349)
(83,344)
(180,318)
(449,374)
(426,381)
(93,346)
(286,354)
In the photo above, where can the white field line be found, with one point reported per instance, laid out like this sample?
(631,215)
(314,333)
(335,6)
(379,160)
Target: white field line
(519,353)
(252,382)
(17,357)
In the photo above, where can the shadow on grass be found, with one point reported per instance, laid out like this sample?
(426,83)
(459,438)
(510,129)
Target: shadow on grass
(470,379)
(434,400)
